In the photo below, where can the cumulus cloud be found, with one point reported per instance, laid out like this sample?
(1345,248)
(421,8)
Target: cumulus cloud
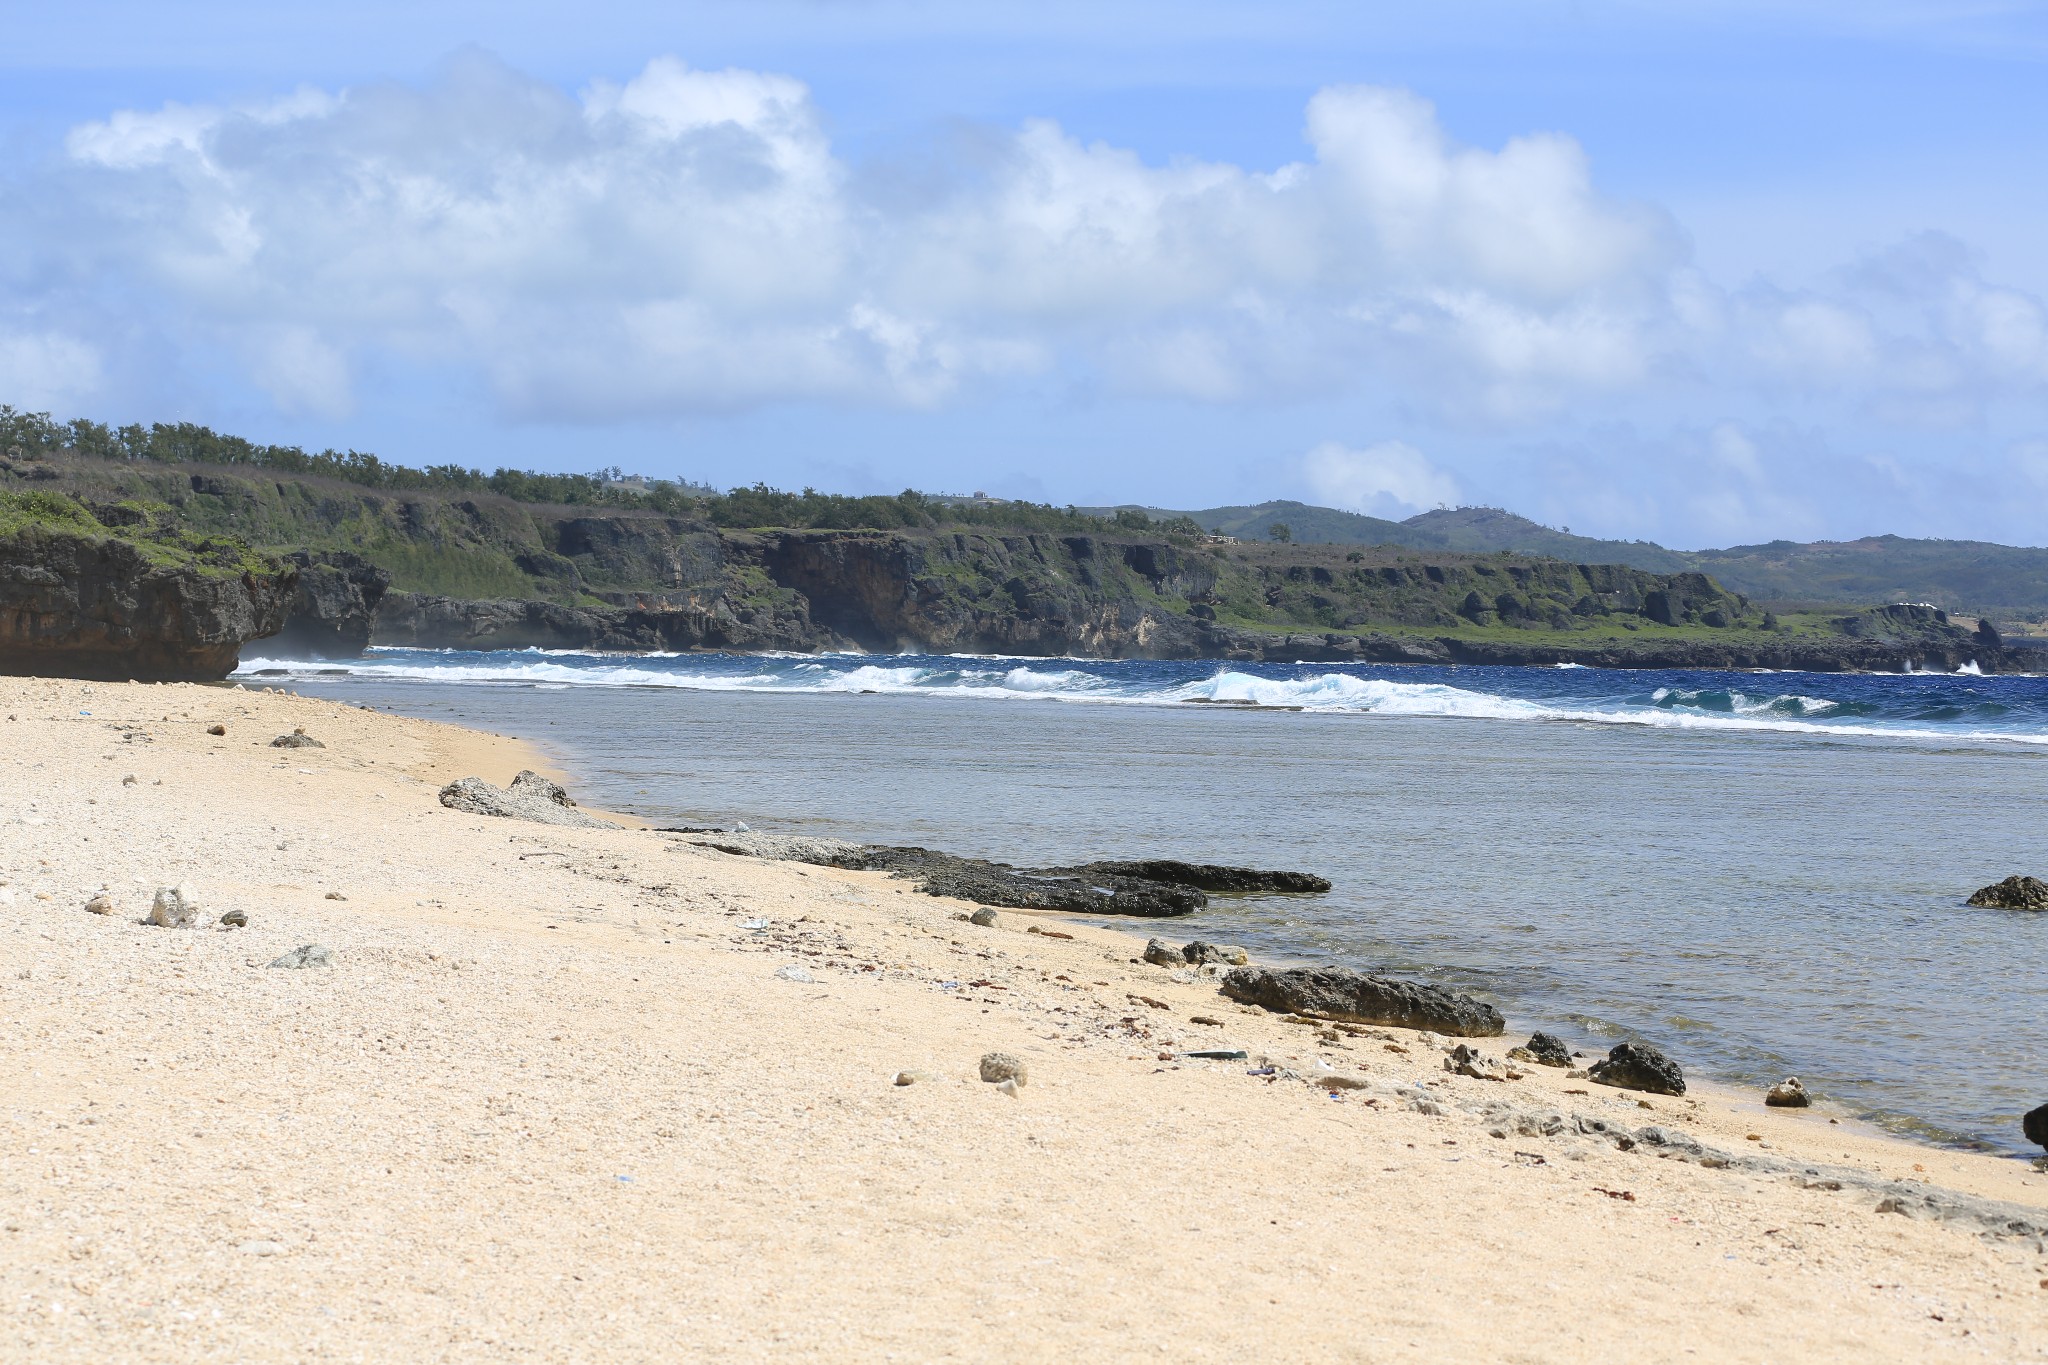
(1391,479)
(690,239)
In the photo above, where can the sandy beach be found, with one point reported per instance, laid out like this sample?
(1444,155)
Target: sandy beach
(552,1100)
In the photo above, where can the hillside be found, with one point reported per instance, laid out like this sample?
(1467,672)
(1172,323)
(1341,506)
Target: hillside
(462,567)
(2006,581)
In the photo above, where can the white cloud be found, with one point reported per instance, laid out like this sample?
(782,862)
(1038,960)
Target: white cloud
(1391,479)
(690,239)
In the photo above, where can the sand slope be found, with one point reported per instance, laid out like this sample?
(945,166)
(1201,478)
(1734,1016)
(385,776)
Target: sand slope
(553,1102)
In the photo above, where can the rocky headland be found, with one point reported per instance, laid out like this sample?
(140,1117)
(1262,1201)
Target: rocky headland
(81,599)
(481,571)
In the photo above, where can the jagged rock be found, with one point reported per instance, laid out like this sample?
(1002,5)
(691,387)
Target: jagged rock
(1199,952)
(297,739)
(2014,893)
(997,1067)
(1470,1061)
(1638,1066)
(175,907)
(998,884)
(1341,993)
(1788,1094)
(1163,954)
(2035,1126)
(76,604)
(1203,876)
(1547,1050)
(530,797)
(304,956)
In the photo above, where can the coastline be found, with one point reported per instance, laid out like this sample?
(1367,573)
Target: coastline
(552,1097)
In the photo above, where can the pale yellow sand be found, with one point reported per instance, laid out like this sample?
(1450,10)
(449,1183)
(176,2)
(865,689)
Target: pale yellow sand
(553,1103)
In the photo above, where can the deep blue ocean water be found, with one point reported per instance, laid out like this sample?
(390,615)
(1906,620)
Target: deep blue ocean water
(1763,873)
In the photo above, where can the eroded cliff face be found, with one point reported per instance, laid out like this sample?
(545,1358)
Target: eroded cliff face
(85,606)
(1033,594)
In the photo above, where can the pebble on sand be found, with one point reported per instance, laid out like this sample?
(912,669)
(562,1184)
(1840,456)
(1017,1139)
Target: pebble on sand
(306,955)
(984,917)
(102,903)
(235,919)
(795,974)
(997,1067)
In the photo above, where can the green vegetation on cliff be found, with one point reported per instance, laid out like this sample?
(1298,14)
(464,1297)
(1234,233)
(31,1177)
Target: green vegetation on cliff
(150,530)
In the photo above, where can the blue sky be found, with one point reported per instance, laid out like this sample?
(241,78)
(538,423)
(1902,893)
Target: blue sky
(1702,274)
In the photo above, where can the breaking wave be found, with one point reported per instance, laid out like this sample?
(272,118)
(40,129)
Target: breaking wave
(1922,707)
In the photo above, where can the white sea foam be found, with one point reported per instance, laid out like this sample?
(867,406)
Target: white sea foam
(1705,710)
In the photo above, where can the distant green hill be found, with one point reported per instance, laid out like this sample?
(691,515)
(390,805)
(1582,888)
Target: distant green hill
(2007,581)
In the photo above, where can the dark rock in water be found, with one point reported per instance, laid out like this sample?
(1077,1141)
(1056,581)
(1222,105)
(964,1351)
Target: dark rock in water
(1638,1066)
(998,884)
(333,606)
(1548,1050)
(1203,876)
(80,605)
(1340,993)
(2014,893)
(297,739)
(2035,1126)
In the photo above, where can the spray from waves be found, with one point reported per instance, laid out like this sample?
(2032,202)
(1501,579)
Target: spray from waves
(1342,692)
(1726,701)
(564,668)
(1722,711)
(1920,712)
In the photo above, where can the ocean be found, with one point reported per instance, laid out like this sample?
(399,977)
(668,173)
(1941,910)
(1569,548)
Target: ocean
(1764,874)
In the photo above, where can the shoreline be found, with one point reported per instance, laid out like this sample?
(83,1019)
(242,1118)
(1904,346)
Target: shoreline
(553,1097)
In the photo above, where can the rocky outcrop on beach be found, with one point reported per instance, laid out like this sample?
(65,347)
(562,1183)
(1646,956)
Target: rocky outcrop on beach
(1341,993)
(78,604)
(2014,893)
(530,797)
(1638,1066)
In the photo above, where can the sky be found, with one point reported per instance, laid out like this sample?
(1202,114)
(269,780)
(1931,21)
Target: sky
(1700,274)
